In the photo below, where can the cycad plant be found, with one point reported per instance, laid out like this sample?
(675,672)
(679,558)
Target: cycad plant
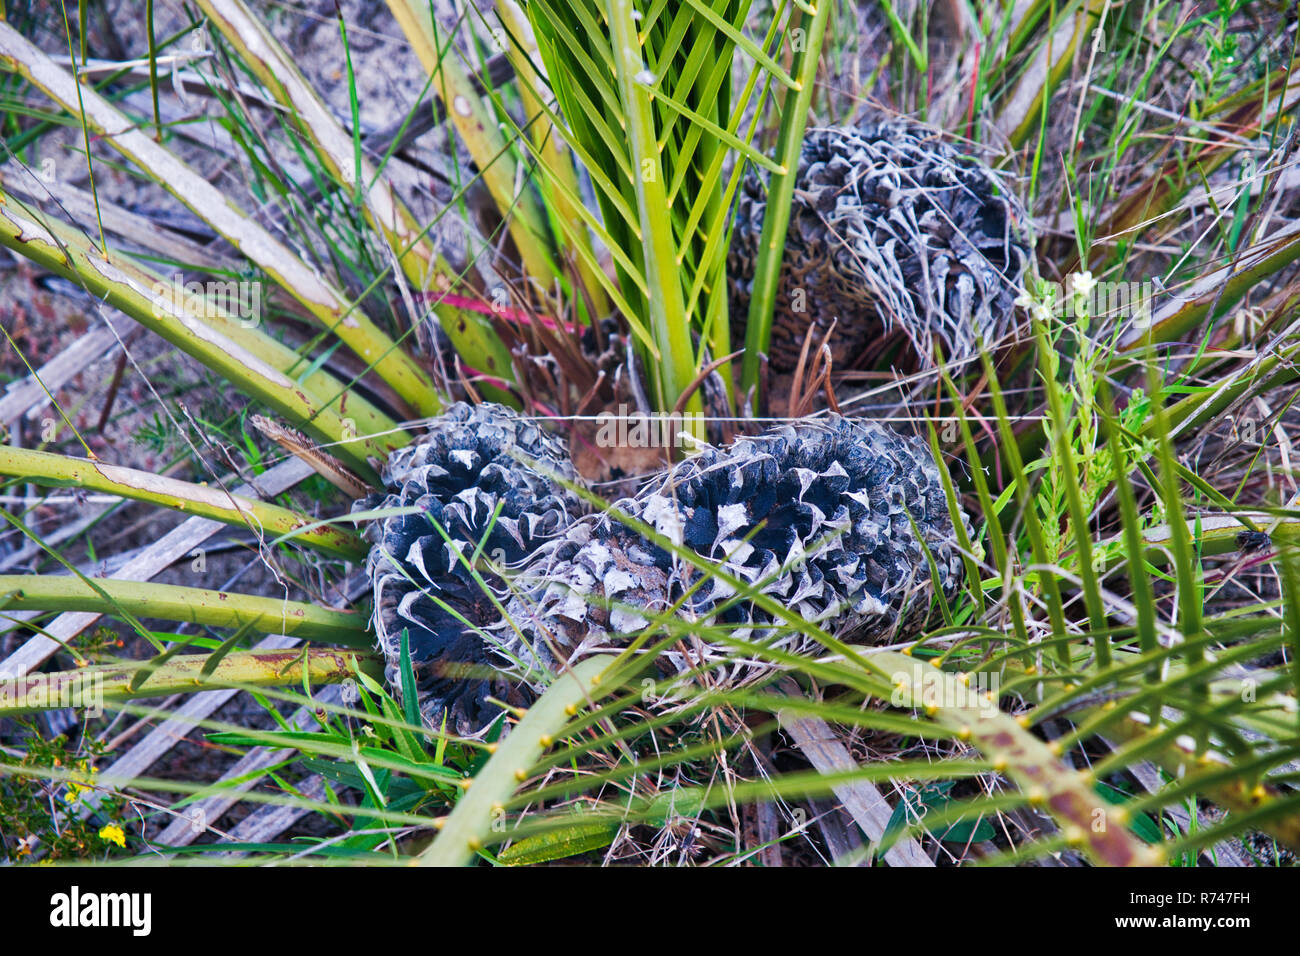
(1102,666)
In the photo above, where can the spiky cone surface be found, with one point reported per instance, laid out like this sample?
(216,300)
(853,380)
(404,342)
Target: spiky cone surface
(891,229)
(827,517)
(487,476)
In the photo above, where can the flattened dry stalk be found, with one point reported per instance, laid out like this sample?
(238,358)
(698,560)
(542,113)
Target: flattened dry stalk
(420,260)
(1088,822)
(265,519)
(92,687)
(322,300)
(173,602)
(1218,290)
(300,446)
(78,205)
(263,54)
(1267,371)
(868,807)
(479,132)
(248,358)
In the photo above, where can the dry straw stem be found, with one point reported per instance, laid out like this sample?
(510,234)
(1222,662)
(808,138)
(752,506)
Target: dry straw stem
(417,255)
(210,204)
(95,686)
(173,602)
(465,830)
(80,205)
(267,520)
(1271,367)
(1217,290)
(325,465)
(1021,115)
(482,137)
(248,358)
(1088,822)
(561,180)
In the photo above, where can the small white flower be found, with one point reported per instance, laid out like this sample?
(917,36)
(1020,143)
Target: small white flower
(1081,283)
(1036,307)
(645,78)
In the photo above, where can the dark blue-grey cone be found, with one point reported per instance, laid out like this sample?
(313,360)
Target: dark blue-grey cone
(891,229)
(831,518)
(488,477)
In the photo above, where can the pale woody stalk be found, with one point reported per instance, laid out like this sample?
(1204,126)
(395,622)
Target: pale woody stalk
(252,361)
(421,263)
(264,519)
(91,687)
(485,142)
(324,302)
(521,50)
(174,602)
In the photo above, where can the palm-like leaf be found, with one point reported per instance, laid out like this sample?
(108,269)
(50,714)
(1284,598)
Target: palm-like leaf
(646,102)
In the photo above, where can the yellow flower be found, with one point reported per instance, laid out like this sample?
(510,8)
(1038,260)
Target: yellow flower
(82,782)
(112,833)
(75,790)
